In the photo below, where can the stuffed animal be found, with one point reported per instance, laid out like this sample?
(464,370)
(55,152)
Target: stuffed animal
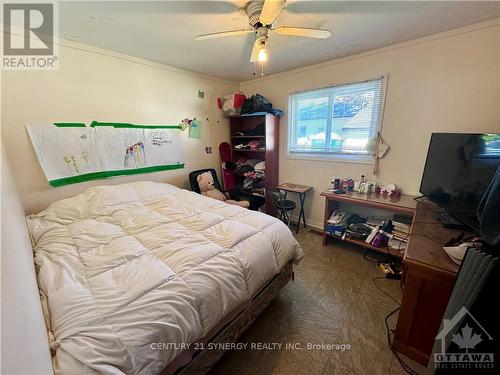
(207,188)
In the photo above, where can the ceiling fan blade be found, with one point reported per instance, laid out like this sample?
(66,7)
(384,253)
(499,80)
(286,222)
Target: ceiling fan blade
(255,51)
(304,31)
(270,11)
(223,34)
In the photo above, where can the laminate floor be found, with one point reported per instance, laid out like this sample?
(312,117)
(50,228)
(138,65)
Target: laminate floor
(332,301)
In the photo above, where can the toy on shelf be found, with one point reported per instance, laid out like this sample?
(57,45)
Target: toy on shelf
(362,186)
(390,190)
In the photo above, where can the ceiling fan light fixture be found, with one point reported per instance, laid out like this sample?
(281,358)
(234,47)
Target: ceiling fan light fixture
(262,57)
(262,15)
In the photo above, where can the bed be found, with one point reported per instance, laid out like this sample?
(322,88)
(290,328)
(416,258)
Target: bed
(133,277)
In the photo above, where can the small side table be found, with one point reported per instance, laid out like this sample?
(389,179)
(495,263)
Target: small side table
(301,190)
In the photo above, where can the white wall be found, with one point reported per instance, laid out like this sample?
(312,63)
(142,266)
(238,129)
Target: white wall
(94,84)
(448,82)
(25,346)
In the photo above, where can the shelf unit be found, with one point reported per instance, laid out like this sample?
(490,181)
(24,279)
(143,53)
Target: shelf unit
(270,154)
(246,150)
(383,249)
(404,204)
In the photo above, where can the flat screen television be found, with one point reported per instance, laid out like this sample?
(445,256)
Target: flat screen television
(458,169)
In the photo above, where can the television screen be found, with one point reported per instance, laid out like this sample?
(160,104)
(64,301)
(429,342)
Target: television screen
(458,169)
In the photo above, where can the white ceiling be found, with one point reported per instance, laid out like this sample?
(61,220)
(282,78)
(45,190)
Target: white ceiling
(163,31)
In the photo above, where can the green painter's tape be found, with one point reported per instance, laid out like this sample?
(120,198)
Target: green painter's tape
(127,125)
(121,172)
(69,124)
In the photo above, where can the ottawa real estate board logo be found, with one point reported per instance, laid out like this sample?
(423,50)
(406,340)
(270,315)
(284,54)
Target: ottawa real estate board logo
(464,344)
(29,31)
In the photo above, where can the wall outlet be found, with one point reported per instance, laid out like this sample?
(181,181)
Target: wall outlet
(201,94)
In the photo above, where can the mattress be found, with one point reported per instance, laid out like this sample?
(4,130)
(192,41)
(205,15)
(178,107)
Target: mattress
(130,275)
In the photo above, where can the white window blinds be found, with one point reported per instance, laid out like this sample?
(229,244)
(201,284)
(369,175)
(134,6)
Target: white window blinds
(338,120)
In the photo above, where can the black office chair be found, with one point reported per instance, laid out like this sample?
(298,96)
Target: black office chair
(233,194)
(194,182)
(284,206)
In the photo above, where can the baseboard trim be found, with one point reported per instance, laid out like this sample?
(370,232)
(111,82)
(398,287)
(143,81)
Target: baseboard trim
(310,223)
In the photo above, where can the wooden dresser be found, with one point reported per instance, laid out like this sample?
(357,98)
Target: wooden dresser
(429,276)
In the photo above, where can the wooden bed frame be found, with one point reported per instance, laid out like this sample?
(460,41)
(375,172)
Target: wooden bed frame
(192,361)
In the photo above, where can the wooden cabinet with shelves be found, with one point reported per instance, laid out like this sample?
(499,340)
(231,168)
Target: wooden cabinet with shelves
(264,129)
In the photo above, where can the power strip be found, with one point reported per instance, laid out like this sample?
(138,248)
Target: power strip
(390,271)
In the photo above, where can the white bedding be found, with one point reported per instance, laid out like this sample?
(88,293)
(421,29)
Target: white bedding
(125,267)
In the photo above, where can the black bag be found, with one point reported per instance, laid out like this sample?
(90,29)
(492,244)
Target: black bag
(256,103)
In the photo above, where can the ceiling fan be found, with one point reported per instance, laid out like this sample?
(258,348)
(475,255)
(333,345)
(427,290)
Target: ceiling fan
(262,15)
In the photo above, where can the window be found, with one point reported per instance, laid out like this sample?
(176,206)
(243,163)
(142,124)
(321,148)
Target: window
(336,122)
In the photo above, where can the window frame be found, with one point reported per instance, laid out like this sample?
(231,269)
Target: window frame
(328,156)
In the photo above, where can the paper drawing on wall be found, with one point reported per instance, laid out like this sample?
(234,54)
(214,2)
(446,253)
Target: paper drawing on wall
(135,156)
(85,156)
(195,129)
(75,154)
(194,126)
(162,147)
(65,152)
(71,163)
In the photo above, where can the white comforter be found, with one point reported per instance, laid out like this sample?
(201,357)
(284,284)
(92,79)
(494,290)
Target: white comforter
(123,268)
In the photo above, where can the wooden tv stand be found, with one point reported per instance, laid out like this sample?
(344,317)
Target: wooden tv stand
(404,204)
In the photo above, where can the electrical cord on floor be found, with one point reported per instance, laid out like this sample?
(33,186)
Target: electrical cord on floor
(383,291)
(404,366)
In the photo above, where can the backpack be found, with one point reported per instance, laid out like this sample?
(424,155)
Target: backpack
(256,103)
